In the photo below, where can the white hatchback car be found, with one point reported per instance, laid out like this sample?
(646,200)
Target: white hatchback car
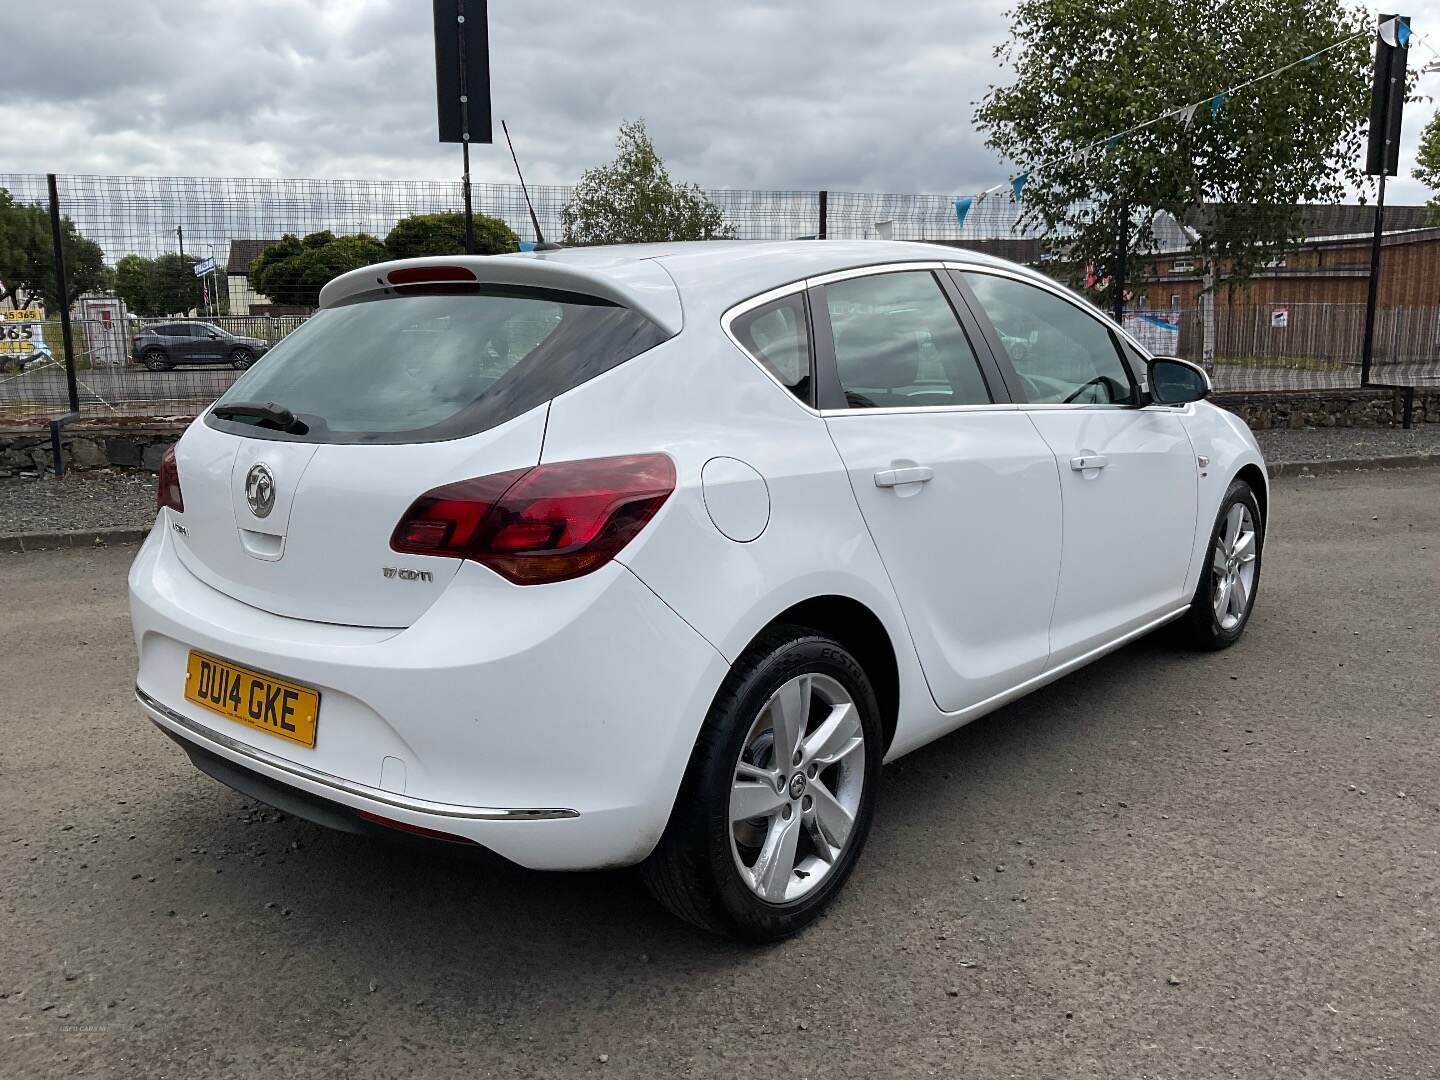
(654,554)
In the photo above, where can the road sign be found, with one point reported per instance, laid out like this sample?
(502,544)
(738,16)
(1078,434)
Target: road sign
(204,266)
(462,70)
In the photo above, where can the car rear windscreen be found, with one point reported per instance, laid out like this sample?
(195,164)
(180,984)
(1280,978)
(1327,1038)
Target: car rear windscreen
(419,368)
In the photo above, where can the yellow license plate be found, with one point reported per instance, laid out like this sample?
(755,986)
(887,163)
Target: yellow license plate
(262,701)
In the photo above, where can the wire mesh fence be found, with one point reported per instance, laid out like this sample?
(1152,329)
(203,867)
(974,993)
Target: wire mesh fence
(172,303)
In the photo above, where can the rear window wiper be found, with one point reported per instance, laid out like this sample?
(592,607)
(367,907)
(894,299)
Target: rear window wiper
(265,414)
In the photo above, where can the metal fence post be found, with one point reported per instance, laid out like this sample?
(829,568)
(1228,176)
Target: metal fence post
(64,294)
(1372,289)
(1122,253)
(824,213)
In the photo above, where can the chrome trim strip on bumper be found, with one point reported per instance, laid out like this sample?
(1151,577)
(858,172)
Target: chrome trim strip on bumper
(324,779)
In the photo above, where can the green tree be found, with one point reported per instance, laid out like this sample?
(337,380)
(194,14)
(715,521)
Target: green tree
(444,234)
(1084,71)
(27,257)
(294,269)
(132,284)
(633,200)
(1427,165)
(165,285)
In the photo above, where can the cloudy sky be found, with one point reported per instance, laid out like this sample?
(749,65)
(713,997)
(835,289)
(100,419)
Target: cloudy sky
(842,94)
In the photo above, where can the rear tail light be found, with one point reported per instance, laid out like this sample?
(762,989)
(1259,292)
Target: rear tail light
(550,523)
(167,493)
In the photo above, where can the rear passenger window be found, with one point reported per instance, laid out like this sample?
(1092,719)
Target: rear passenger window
(777,335)
(898,344)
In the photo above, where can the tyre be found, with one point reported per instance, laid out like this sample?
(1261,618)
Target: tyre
(1225,595)
(779,793)
(155,360)
(242,358)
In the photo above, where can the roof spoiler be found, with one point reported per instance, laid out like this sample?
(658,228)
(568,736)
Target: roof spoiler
(639,284)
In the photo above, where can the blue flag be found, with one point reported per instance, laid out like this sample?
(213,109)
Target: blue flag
(1017,185)
(1215,103)
(962,207)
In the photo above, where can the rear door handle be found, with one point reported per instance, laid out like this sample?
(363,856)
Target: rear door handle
(1081,462)
(915,474)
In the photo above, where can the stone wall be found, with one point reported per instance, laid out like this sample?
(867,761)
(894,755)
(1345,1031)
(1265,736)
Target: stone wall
(1265,410)
(87,445)
(96,444)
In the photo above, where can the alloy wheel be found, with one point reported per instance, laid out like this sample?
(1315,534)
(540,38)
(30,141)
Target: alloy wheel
(1232,567)
(797,788)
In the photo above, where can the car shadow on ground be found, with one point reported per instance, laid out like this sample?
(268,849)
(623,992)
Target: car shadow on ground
(424,909)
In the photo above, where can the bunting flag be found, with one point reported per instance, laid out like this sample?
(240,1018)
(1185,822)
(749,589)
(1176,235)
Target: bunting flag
(1394,33)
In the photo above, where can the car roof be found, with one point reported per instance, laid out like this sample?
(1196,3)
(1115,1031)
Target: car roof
(653,278)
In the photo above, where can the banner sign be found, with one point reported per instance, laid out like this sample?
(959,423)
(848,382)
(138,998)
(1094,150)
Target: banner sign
(1158,331)
(204,266)
(22,333)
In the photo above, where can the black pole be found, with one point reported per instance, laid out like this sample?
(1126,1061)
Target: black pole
(62,288)
(824,215)
(469,213)
(1372,292)
(180,289)
(465,129)
(1122,259)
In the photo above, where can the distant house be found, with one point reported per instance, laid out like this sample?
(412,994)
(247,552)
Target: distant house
(244,300)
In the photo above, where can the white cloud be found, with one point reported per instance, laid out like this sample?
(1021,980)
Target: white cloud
(840,94)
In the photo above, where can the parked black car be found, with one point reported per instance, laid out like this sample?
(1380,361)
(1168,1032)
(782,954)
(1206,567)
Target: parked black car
(164,345)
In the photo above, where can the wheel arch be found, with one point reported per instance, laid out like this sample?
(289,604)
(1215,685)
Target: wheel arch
(1252,475)
(860,630)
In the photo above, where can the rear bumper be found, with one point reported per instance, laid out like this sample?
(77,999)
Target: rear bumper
(335,788)
(551,726)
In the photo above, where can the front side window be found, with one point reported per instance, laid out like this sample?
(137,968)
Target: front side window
(1063,354)
(898,344)
(777,335)
(420,368)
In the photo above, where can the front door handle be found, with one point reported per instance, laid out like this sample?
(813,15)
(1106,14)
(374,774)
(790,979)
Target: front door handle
(915,474)
(1081,462)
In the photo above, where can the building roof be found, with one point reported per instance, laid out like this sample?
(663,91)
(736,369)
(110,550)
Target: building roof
(1321,220)
(242,254)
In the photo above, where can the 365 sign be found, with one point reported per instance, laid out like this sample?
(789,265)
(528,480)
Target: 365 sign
(22,332)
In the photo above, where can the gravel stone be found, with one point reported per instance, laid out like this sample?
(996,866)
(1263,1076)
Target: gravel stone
(1335,444)
(108,498)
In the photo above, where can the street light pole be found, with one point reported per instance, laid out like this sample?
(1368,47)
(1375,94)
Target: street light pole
(180,240)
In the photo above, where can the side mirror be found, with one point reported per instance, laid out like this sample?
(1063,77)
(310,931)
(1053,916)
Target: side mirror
(1177,382)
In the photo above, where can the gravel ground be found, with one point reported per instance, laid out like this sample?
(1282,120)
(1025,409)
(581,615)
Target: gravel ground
(1165,865)
(102,499)
(1330,444)
(126,497)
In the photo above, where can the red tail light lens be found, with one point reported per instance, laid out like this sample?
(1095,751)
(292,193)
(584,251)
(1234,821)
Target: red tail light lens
(167,491)
(549,523)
